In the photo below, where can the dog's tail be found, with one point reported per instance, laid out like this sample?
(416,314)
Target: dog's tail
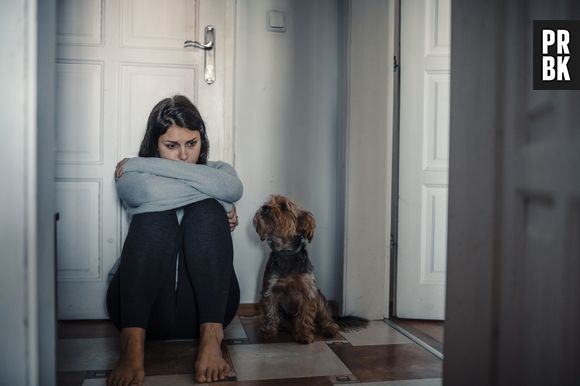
(350,323)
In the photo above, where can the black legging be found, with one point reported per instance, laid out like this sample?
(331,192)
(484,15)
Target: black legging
(143,291)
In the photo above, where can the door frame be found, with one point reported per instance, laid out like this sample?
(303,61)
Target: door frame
(28,325)
(229,53)
(368,159)
(394,235)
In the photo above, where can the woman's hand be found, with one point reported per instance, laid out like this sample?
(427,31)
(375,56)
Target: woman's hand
(119,168)
(233,218)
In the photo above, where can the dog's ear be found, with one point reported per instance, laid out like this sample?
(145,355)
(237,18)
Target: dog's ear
(306,225)
(259,226)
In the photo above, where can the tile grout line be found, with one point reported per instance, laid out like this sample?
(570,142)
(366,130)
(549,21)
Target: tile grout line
(418,341)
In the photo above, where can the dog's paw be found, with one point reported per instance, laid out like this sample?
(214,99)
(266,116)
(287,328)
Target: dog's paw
(330,330)
(305,339)
(268,333)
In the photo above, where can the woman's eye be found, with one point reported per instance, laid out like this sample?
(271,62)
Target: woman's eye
(192,143)
(170,146)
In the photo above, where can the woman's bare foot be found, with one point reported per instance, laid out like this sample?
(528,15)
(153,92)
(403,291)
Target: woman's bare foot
(210,365)
(130,370)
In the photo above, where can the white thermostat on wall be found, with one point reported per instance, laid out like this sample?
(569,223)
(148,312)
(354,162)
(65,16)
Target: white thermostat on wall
(276,21)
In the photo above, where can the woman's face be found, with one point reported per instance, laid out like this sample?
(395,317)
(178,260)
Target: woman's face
(180,144)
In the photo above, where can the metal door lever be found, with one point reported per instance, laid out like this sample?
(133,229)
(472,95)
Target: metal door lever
(191,43)
(209,48)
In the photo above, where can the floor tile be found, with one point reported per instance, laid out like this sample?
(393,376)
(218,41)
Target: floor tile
(389,362)
(166,358)
(312,381)
(235,331)
(69,329)
(157,380)
(175,357)
(252,327)
(161,357)
(407,382)
(183,380)
(285,360)
(87,354)
(377,333)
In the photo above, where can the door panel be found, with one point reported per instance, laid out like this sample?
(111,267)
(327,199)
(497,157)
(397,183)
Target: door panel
(141,88)
(80,22)
(115,60)
(424,158)
(79,84)
(157,24)
(79,205)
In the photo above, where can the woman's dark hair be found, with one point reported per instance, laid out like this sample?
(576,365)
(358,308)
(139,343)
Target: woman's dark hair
(176,110)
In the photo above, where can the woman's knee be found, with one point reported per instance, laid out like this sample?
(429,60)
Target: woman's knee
(153,228)
(209,205)
(151,235)
(155,220)
(207,213)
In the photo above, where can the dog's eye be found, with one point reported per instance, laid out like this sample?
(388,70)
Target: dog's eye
(283,207)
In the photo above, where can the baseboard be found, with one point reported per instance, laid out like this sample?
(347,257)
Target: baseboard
(253,309)
(249,309)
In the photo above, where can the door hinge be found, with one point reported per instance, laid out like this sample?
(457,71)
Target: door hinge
(395,64)
(393,243)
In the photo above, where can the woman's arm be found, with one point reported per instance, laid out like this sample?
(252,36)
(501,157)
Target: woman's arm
(216,179)
(142,192)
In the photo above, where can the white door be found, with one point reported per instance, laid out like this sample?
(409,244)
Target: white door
(115,60)
(424,148)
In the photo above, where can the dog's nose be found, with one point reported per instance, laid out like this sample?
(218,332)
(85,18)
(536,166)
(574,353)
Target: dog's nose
(265,210)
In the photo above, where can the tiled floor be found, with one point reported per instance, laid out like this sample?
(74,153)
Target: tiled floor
(377,355)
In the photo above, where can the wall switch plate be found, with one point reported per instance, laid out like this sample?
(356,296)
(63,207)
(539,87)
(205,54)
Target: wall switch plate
(276,21)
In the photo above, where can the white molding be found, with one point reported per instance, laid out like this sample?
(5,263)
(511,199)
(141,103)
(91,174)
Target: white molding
(228,145)
(30,160)
(345,260)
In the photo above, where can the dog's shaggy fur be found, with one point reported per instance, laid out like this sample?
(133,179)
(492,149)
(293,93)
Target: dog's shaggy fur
(289,292)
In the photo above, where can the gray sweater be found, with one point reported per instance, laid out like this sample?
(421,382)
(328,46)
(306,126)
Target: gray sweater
(157,184)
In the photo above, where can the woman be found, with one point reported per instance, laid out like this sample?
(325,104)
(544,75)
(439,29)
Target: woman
(175,278)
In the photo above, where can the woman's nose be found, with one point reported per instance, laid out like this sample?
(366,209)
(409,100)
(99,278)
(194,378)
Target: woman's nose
(182,154)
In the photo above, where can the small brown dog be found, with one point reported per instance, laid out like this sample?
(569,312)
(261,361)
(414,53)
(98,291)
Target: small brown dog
(289,292)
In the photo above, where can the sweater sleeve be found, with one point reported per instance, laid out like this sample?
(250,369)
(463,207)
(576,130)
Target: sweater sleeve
(216,179)
(145,192)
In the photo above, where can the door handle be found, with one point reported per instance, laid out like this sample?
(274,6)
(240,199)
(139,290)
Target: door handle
(209,50)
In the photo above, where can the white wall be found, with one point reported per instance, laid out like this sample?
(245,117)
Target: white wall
(287,130)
